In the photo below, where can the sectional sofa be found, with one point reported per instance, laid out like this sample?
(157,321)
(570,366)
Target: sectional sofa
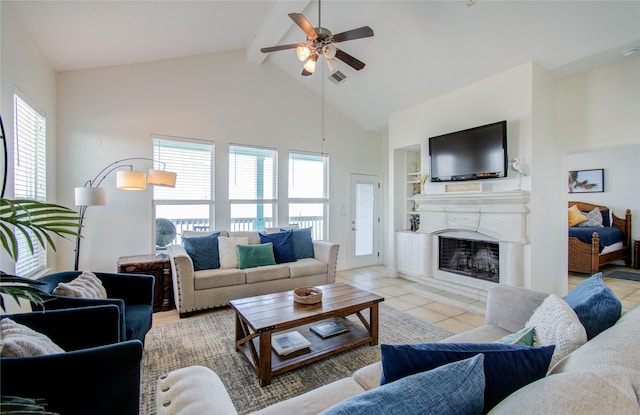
(601,376)
(213,284)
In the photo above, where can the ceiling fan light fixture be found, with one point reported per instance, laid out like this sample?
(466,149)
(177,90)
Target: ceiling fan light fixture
(329,51)
(310,66)
(332,64)
(303,52)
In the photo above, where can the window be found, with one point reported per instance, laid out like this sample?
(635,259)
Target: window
(308,193)
(190,204)
(252,187)
(29,175)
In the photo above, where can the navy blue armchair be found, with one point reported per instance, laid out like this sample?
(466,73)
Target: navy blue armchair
(131,293)
(97,374)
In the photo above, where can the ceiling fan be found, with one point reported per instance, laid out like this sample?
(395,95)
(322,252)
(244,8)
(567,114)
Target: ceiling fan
(320,41)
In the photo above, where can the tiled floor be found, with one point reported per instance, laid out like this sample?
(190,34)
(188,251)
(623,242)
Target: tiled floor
(378,280)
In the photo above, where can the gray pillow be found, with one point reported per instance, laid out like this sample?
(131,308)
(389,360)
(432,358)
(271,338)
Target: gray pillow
(594,219)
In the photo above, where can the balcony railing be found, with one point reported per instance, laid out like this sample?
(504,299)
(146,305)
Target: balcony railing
(249,224)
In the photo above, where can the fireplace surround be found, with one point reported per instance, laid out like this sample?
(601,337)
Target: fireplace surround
(496,218)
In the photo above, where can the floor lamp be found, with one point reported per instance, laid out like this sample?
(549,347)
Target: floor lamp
(91,194)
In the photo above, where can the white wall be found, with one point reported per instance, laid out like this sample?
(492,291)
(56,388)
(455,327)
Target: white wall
(25,69)
(598,125)
(110,113)
(511,95)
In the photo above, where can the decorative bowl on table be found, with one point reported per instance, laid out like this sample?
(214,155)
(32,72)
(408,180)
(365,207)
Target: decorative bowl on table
(307,295)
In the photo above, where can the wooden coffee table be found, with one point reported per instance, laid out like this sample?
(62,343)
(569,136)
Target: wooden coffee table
(258,318)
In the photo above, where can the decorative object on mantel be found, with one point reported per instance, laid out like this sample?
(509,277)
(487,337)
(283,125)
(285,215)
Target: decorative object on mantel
(307,295)
(519,167)
(463,187)
(423,179)
(91,194)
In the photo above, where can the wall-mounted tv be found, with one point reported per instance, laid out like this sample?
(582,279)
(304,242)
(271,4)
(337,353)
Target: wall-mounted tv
(476,153)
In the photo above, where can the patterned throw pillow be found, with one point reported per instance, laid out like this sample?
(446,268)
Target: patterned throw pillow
(85,285)
(556,323)
(594,219)
(17,340)
(228,250)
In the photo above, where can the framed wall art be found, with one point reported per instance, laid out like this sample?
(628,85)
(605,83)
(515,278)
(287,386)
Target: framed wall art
(586,181)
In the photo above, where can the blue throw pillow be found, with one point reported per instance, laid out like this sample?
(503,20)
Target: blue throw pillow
(596,305)
(606,220)
(282,245)
(452,389)
(302,243)
(507,367)
(203,251)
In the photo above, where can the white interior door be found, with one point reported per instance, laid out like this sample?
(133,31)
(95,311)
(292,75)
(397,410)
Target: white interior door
(365,221)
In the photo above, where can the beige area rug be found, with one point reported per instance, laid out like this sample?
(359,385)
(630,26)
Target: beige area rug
(209,341)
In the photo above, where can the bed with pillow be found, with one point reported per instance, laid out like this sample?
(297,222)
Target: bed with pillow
(597,237)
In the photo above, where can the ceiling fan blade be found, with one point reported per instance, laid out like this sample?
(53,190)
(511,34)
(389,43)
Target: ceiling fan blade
(304,24)
(281,47)
(359,33)
(349,60)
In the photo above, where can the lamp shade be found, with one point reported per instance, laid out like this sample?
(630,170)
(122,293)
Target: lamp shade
(131,180)
(162,178)
(90,196)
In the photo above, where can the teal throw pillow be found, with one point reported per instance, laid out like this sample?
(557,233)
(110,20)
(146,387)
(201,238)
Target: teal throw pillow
(282,245)
(523,337)
(302,243)
(507,367)
(596,305)
(451,389)
(203,251)
(251,256)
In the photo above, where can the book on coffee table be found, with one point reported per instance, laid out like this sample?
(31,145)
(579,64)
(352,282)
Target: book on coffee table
(329,328)
(286,343)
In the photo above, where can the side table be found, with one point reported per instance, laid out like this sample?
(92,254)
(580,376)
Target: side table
(158,266)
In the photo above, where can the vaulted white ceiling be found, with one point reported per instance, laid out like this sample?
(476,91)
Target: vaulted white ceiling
(421,49)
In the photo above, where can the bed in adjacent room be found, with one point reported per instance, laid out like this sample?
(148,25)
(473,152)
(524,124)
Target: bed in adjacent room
(597,237)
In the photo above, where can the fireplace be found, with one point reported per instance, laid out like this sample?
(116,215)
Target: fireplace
(491,228)
(469,257)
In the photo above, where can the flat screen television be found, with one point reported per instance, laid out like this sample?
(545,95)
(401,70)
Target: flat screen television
(473,154)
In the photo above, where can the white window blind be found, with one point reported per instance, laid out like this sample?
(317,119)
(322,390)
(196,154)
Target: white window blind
(29,161)
(252,187)
(190,205)
(308,192)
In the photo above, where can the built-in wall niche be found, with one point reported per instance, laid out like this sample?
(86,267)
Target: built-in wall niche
(407,171)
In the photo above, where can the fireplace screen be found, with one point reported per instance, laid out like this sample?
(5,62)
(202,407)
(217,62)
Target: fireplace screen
(471,258)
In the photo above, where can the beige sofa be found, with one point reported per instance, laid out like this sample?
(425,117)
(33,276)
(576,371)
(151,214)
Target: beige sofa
(602,376)
(200,290)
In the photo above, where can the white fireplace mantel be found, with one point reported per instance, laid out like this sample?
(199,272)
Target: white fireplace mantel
(502,216)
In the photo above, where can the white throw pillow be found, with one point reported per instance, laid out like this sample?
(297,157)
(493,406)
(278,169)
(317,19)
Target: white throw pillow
(17,340)
(85,285)
(556,323)
(228,252)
